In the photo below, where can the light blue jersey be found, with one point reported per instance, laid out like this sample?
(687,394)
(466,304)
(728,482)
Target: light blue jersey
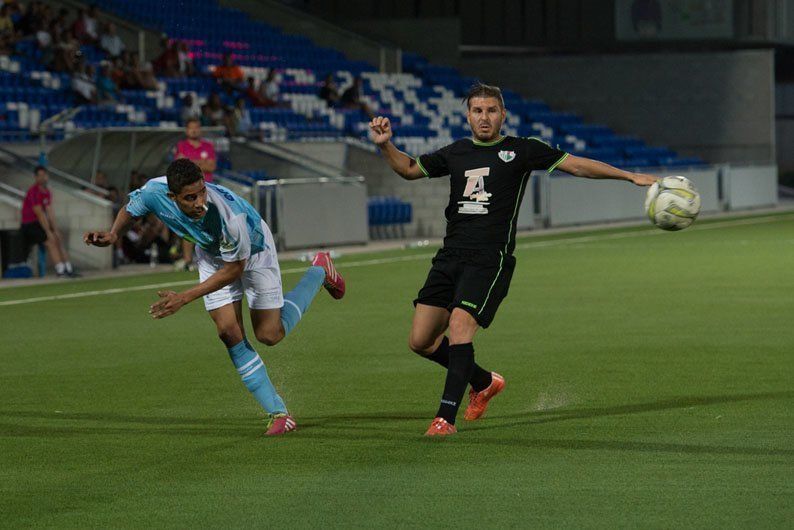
(231,228)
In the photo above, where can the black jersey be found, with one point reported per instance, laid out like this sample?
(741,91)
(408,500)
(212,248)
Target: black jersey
(487,185)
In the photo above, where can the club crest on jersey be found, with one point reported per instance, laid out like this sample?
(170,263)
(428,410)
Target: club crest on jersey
(507,156)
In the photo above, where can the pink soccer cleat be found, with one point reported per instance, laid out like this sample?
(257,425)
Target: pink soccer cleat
(334,283)
(280,424)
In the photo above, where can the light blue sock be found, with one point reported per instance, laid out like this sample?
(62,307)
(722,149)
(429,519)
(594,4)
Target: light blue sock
(254,374)
(298,300)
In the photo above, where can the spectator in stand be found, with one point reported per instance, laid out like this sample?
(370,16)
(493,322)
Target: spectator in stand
(241,119)
(329,92)
(44,43)
(67,51)
(216,111)
(6,24)
(111,42)
(229,75)
(144,72)
(189,109)
(351,98)
(270,89)
(34,14)
(7,45)
(106,89)
(206,117)
(38,224)
(255,97)
(186,68)
(202,153)
(135,76)
(83,86)
(167,63)
(84,28)
(8,34)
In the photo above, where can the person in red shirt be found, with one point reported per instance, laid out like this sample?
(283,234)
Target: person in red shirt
(196,149)
(202,153)
(38,224)
(229,75)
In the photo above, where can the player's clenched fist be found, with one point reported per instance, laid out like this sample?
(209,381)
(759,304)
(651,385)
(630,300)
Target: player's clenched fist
(381,130)
(99,239)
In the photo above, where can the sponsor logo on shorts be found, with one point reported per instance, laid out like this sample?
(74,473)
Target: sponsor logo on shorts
(469,304)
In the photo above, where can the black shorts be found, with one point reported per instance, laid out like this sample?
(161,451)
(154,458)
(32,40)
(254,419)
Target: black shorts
(473,280)
(33,233)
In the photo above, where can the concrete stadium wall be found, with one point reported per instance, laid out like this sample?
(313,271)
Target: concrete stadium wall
(9,213)
(750,187)
(429,197)
(719,106)
(331,153)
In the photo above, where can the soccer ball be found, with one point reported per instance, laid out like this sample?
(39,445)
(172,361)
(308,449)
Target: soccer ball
(672,203)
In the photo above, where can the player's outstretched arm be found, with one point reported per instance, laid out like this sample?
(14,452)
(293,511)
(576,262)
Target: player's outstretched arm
(593,169)
(402,164)
(103,239)
(170,301)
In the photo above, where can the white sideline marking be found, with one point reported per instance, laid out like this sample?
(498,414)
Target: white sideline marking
(413,257)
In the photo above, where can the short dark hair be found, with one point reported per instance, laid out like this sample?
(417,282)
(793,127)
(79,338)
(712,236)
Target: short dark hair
(39,168)
(481,90)
(180,173)
(192,119)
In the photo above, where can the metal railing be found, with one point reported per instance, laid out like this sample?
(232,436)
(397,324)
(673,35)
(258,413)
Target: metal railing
(69,179)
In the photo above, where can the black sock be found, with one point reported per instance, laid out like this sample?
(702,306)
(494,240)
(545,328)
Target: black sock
(441,355)
(480,378)
(461,364)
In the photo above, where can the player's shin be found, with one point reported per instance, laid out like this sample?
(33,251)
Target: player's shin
(480,378)
(298,300)
(254,375)
(461,365)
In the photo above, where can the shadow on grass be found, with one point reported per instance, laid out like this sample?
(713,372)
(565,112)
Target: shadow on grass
(358,426)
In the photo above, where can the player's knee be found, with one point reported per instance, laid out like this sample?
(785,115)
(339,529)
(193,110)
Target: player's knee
(269,336)
(230,335)
(462,327)
(421,345)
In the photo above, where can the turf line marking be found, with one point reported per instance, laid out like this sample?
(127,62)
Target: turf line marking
(413,257)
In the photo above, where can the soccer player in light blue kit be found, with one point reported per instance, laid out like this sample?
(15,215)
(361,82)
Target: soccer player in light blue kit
(236,254)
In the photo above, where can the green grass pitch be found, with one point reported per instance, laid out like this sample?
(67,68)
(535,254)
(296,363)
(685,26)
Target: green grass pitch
(650,383)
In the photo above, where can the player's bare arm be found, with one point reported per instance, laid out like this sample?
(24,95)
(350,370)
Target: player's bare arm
(99,238)
(593,169)
(170,301)
(401,163)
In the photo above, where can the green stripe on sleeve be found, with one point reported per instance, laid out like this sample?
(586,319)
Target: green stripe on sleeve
(557,163)
(418,163)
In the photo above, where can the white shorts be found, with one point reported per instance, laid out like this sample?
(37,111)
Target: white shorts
(261,280)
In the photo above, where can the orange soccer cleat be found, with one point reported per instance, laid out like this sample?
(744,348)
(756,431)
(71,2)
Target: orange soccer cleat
(478,401)
(440,427)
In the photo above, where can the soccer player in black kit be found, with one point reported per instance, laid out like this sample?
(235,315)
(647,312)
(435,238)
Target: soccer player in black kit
(471,274)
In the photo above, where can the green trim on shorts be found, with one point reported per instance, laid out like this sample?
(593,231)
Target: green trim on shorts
(501,261)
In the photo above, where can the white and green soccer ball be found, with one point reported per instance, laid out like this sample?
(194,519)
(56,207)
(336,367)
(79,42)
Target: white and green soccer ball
(672,203)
